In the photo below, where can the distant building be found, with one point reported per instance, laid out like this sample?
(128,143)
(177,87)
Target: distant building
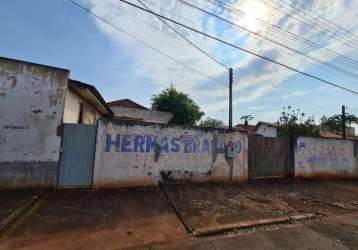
(129,110)
(267,129)
(264,129)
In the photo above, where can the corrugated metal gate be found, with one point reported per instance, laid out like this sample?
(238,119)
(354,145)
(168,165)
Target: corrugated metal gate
(268,156)
(77,157)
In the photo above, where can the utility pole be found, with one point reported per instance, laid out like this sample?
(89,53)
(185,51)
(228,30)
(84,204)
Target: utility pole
(344,122)
(230,96)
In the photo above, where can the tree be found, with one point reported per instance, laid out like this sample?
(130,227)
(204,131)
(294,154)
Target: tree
(294,123)
(211,123)
(334,123)
(247,118)
(184,109)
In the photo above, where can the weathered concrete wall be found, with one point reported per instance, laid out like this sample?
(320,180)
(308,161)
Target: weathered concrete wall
(72,109)
(145,115)
(31,109)
(129,154)
(318,157)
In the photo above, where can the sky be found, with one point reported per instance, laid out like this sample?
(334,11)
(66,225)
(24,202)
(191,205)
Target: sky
(57,33)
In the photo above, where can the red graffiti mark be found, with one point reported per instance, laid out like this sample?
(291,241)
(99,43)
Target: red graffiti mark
(14,81)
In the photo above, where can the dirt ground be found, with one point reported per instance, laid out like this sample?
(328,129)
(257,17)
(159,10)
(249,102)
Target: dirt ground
(103,219)
(12,201)
(140,217)
(202,205)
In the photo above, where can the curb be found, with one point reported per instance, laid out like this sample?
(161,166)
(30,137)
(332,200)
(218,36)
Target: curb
(250,224)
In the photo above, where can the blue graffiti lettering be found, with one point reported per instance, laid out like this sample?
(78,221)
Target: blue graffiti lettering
(150,143)
(139,143)
(187,148)
(164,144)
(206,146)
(116,143)
(126,142)
(175,146)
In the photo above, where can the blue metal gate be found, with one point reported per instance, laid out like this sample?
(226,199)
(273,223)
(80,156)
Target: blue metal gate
(77,156)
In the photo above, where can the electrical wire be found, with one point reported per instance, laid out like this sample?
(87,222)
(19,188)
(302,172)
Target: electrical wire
(140,41)
(186,39)
(290,35)
(269,39)
(245,50)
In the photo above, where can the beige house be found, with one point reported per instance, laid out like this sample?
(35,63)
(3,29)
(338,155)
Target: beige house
(84,104)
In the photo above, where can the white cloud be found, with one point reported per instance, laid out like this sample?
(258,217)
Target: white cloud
(256,78)
(260,107)
(296,93)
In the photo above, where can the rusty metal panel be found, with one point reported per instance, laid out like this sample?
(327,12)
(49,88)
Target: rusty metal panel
(268,156)
(77,157)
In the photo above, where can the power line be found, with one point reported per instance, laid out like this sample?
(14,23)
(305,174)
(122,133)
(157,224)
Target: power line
(270,40)
(186,39)
(242,49)
(308,24)
(317,47)
(139,40)
(289,35)
(319,18)
(235,12)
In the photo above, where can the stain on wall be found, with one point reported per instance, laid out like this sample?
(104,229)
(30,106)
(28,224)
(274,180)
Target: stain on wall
(129,154)
(318,157)
(31,109)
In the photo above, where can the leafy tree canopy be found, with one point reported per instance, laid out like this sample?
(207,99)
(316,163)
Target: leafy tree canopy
(184,109)
(211,123)
(334,123)
(294,123)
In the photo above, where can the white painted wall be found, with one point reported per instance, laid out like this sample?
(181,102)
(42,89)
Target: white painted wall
(31,109)
(72,109)
(266,131)
(318,157)
(124,156)
(145,115)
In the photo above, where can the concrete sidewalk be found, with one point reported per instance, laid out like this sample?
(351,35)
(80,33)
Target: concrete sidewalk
(335,234)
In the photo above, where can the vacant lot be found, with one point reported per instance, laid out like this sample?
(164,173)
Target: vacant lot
(140,217)
(103,219)
(207,205)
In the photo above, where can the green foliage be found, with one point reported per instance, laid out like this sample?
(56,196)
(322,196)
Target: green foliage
(294,123)
(334,123)
(211,123)
(184,109)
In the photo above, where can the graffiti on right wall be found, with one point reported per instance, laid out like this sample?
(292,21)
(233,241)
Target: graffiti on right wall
(325,156)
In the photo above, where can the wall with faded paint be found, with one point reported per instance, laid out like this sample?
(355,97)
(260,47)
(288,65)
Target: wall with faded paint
(130,154)
(31,109)
(144,115)
(318,157)
(72,109)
